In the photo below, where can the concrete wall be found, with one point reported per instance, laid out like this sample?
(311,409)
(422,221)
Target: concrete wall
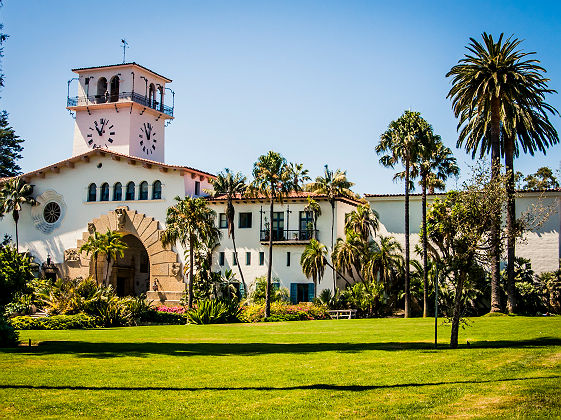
(542,245)
(248,240)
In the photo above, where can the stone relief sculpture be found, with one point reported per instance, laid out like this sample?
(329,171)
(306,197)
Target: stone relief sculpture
(72,255)
(121,218)
(91,228)
(175,269)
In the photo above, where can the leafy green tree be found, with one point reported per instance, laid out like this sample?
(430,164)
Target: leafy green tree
(458,227)
(231,186)
(94,247)
(14,194)
(543,179)
(191,223)
(10,148)
(498,95)
(333,185)
(274,178)
(399,144)
(15,273)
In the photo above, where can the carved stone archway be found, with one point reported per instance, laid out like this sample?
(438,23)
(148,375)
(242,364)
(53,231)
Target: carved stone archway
(166,283)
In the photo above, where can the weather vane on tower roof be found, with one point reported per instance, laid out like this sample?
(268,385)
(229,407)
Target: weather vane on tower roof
(125,45)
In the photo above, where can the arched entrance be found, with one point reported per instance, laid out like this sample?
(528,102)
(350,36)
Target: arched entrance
(155,270)
(131,272)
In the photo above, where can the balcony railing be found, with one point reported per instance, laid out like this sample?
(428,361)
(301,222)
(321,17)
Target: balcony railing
(286,235)
(121,97)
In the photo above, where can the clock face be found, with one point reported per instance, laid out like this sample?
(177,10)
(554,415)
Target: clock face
(147,138)
(101,134)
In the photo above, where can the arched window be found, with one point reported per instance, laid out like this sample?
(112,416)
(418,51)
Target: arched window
(130,191)
(101,90)
(161,97)
(152,96)
(92,192)
(114,89)
(156,190)
(117,192)
(143,193)
(104,192)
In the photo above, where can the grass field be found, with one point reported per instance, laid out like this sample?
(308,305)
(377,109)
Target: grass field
(311,369)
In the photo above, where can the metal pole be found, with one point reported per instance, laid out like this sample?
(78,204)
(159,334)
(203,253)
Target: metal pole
(436,306)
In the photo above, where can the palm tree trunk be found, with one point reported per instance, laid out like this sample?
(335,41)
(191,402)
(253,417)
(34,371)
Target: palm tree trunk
(495,228)
(460,276)
(510,221)
(239,264)
(425,251)
(338,273)
(270,266)
(191,263)
(15,215)
(407,292)
(95,269)
(332,242)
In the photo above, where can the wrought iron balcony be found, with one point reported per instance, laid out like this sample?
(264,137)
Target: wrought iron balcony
(121,97)
(287,235)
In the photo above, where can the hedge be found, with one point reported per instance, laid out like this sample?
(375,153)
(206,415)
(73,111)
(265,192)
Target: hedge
(55,322)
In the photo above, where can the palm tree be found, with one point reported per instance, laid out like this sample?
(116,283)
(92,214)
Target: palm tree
(112,246)
(314,260)
(400,143)
(13,195)
(314,208)
(231,185)
(497,90)
(363,221)
(332,184)
(93,246)
(386,262)
(191,223)
(436,164)
(274,178)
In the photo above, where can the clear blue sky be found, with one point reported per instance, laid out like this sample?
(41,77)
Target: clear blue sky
(318,81)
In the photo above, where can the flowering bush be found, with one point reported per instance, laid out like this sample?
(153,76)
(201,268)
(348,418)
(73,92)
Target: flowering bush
(283,312)
(171,309)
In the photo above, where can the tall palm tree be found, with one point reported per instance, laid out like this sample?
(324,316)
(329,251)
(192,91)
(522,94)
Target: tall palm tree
(364,221)
(400,143)
(191,223)
(436,164)
(497,89)
(274,178)
(332,184)
(231,185)
(13,195)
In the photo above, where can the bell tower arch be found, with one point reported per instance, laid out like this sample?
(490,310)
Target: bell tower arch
(122,108)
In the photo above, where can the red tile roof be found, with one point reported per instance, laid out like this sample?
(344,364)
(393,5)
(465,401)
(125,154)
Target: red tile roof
(102,152)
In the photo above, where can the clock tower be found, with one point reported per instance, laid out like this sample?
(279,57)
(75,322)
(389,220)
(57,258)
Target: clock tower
(121,108)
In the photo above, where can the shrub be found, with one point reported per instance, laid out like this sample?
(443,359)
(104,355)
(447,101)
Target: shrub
(138,306)
(277,294)
(171,309)
(55,322)
(283,312)
(214,311)
(15,273)
(8,334)
(368,301)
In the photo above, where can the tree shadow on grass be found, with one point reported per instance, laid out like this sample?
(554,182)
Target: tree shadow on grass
(329,387)
(144,349)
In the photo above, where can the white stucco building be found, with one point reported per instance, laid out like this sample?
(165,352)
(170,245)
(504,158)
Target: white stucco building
(117,179)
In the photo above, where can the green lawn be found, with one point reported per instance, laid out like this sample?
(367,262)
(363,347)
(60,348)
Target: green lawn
(313,369)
